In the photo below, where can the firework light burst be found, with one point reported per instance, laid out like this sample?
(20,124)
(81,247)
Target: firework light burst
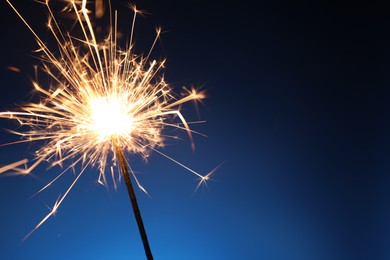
(105,99)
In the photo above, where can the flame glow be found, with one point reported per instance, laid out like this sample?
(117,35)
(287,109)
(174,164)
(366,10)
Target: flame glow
(103,96)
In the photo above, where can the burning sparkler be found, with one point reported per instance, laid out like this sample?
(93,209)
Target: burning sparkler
(106,102)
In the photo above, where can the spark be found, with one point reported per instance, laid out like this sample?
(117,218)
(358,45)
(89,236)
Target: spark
(14,69)
(103,97)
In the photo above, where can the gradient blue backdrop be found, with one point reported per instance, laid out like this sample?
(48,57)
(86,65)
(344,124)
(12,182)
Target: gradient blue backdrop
(298,109)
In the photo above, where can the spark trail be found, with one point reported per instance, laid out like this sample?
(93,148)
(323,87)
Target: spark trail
(104,98)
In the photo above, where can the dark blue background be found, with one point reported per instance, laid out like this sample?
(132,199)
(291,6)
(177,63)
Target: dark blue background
(298,109)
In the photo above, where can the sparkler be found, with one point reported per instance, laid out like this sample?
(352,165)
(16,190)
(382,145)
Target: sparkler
(106,102)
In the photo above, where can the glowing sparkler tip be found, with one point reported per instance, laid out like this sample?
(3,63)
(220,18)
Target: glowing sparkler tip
(110,117)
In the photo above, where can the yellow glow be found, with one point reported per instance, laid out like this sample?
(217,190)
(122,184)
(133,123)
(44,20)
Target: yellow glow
(109,117)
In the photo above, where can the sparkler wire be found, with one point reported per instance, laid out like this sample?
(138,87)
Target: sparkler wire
(123,165)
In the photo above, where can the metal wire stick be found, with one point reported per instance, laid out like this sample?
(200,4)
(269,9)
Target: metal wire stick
(133,200)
